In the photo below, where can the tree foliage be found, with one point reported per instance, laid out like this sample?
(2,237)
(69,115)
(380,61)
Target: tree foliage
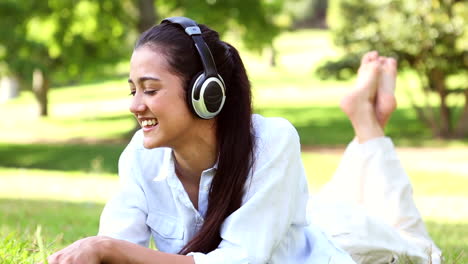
(255,20)
(427,36)
(62,40)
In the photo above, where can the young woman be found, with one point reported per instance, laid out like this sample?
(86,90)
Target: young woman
(213,183)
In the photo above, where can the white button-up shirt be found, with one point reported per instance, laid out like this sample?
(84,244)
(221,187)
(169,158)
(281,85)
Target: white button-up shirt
(270,227)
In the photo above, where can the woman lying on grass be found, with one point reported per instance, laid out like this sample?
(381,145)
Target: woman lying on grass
(213,183)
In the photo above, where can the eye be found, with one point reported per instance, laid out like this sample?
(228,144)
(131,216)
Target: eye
(150,92)
(132,93)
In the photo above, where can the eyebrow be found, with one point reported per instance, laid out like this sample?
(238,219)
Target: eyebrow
(144,79)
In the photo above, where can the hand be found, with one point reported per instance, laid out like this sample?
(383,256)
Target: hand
(83,251)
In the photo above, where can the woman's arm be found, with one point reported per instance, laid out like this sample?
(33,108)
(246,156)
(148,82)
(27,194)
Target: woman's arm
(124,217)
(101,249)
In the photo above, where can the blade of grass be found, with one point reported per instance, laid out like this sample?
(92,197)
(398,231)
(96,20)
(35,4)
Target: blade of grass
(40,243)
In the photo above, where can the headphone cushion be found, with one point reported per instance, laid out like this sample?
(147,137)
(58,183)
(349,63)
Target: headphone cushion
(207,103)
(213,96)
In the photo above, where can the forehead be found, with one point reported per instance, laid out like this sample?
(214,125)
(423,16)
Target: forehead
(146,60)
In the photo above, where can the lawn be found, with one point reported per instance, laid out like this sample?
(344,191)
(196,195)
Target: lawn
(57,172)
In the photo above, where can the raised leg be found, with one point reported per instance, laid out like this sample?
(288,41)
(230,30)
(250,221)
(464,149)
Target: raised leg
(370,178)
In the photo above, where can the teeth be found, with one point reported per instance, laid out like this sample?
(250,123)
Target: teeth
(149,122)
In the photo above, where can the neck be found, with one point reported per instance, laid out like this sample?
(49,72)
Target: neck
(196,155)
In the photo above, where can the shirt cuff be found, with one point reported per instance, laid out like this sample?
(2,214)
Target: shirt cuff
(220,255)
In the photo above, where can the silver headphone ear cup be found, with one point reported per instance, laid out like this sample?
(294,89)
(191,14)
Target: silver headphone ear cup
(207,96)
(192,89)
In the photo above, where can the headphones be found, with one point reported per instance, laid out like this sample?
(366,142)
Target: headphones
(207,92)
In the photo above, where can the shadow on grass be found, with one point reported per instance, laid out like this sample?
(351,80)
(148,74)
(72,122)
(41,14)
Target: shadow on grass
(317,126)
(328,126)
(63,157)
(62,222)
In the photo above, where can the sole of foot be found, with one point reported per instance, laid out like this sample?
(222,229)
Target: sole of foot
(385,98)
(365,90)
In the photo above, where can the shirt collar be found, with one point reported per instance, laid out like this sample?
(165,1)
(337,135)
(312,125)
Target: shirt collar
(167,166)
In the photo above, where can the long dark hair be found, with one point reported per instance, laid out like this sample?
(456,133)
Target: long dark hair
(235,141)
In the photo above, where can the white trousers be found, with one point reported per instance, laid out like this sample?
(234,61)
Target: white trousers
(367,208)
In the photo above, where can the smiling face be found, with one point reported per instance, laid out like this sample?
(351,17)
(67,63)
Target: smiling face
(159,100)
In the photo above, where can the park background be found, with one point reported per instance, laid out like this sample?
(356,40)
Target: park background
(64,116)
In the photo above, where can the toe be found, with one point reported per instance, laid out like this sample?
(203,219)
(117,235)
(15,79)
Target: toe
(374,67)
(390,65)
(392,61)
(382,60)
(369,56)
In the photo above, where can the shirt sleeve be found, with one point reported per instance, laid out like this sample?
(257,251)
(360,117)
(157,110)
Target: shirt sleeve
(124,216)
(275,194)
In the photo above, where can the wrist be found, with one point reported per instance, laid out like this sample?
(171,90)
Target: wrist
(102,247)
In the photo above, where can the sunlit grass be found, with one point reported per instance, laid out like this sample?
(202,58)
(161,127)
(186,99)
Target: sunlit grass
(39,184)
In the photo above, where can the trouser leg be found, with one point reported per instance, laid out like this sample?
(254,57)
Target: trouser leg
(370,179)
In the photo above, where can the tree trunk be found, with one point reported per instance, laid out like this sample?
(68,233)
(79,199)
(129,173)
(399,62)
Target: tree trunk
(437,78)
(40,87)
(425,112)
(147,15)
(272,56)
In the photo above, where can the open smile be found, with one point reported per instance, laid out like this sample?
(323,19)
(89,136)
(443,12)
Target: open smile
(148,124)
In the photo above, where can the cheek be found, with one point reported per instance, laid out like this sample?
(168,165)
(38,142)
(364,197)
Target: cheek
(181,106)
(175,108)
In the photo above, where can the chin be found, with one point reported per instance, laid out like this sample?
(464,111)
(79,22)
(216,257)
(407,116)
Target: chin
(150,143)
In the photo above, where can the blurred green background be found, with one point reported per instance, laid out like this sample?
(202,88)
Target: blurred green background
(64,116)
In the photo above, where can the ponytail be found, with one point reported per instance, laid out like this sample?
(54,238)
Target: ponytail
(235,144)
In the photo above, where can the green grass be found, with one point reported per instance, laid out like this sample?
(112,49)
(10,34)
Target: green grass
(57,172)
(62,223)
(62,157)
(48,197)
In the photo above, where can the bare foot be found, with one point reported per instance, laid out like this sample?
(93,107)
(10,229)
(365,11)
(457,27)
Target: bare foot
(359,104)
(386,102)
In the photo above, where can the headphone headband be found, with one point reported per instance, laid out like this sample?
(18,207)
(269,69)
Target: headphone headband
(206,93)
(191,28)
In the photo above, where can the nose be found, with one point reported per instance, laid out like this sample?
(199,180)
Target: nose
(137,106)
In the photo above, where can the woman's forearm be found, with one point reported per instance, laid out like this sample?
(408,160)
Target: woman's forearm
(115,251)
